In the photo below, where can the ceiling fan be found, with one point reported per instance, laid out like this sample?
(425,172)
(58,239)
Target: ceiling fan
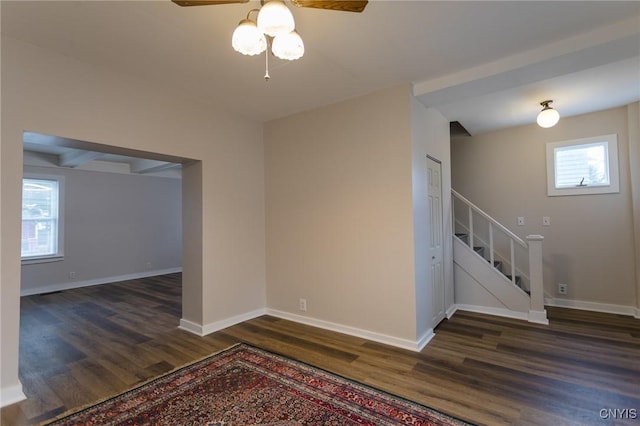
(274,29)
(341,5)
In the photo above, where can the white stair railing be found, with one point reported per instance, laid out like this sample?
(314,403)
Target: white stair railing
(530,266)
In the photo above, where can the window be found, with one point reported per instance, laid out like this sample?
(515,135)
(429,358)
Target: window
(583,166)
(42,224)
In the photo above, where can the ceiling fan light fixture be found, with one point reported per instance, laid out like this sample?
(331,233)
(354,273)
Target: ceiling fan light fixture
(248,39)
(288,46)
(548,117)
(275,18)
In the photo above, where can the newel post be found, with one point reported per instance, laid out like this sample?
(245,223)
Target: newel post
(537,313)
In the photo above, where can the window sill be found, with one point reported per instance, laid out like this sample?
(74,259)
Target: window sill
(47,259)
(585,190)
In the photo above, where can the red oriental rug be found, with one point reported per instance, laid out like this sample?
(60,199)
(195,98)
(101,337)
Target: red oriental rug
(244,385)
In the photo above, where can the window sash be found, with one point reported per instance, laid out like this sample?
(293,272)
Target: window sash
(596,169)
(41,218)
(582,165)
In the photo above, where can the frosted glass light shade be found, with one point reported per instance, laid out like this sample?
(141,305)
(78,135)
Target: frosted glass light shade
(548,117)
(288,46)
(248,39)
(275,18)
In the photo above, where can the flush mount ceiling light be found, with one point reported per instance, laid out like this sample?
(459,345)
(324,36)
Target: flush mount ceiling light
(548,117)
(274,26)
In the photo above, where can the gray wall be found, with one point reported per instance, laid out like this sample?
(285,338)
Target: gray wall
(117,226)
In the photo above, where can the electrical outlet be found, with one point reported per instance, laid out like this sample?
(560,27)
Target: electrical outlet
(303,305)
(546,221)
(562,288)
(148,265)
(72,275)
(520,221)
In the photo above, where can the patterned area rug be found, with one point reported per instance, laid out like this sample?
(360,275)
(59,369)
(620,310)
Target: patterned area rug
(244,385)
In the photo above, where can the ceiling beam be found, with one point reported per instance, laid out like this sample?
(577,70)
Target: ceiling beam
(77,158)
(143,165)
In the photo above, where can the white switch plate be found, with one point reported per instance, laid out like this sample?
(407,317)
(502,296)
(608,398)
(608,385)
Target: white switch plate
(520,221)
(546,221)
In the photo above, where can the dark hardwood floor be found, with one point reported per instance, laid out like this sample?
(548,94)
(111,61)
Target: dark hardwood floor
(83,345)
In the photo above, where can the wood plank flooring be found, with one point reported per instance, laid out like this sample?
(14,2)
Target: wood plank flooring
(83,345)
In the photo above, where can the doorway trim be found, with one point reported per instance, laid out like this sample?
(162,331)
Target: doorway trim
(437,252)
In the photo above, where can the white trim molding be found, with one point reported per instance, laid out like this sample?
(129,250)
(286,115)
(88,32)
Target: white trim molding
(452,310)
(536,317)
(11,394)
(203,330)
(398,342)
(539,317)
(191,327)
(500,312)
(424,340)
(97,281)
(593,306)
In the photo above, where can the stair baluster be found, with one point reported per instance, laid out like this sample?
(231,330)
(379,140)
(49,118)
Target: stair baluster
(533,260)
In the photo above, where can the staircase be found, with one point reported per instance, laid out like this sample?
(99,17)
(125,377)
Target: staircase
(497,264)
(495,271)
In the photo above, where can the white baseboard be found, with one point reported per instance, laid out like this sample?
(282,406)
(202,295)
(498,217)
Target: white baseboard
(203,330)
(11,394)
(424,340)
(539,317)
(452,310)
(593,306)
(191,327)
(411,345)
(97,281)
(500,312)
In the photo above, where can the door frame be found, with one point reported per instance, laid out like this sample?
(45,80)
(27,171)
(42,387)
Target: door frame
(443,235)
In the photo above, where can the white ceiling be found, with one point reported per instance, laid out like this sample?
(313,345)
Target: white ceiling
(485,64)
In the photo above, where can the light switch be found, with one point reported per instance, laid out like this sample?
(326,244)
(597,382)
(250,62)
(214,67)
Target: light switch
(520,221)
(546,221)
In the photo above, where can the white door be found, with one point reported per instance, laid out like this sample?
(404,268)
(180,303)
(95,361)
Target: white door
(436,249)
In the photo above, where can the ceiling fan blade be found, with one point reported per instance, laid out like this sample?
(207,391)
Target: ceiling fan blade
(341,5)
(206,2)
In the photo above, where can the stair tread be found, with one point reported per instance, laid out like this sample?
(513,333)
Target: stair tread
(497,264)
(518,283)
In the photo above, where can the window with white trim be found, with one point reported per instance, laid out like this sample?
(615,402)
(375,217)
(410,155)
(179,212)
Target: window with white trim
(583,166)
(42,218)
